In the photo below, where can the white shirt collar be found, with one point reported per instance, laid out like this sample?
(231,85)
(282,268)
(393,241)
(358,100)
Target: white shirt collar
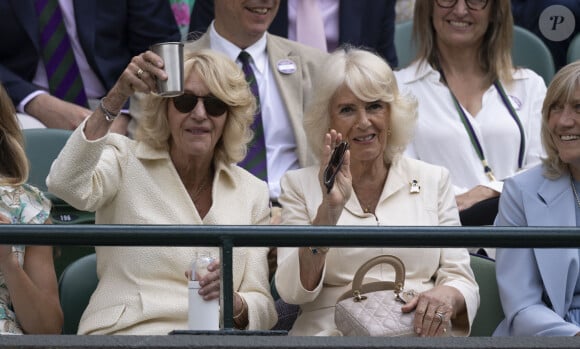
(257,50)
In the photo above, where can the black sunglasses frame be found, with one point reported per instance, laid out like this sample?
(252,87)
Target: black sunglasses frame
(334,165)
(213,106)
(466,3)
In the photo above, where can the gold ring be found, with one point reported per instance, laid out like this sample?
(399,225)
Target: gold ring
(140,73)
(440,315)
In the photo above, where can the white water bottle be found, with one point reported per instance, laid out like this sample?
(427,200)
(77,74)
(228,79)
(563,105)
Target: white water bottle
(202,314)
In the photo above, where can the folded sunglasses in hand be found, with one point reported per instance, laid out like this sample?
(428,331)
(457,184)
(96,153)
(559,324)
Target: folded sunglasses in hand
(334,165)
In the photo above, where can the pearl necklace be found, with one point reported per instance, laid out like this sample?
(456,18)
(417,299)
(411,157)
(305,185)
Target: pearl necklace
(574,190)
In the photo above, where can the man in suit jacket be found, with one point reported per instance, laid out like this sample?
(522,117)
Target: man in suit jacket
(537,285)
(108,33)
(368,23)
(285,71)
(285,86)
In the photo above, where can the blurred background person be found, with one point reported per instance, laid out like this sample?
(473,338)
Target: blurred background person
(325,24)
(90,42)
(182,13)
(179,170)
(29,300)
(539,287)
(478,116)
(359,102)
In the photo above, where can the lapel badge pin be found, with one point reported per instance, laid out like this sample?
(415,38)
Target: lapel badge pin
(286,66)
(415,187)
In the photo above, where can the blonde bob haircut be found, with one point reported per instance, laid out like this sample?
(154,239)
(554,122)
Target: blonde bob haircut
(226,81)
(13,161)
(370,79)
(560,92)
(495,51)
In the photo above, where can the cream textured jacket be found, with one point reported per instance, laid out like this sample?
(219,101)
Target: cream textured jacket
(143,290)
(425,267)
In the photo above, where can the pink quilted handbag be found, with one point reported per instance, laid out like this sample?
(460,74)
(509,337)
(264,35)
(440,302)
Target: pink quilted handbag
(374,309)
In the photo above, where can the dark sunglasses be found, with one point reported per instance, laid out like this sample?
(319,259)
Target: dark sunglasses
(334,165)
(471,4)
(187,102)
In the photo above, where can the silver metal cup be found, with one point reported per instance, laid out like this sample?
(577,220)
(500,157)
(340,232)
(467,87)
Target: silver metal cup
(172,55)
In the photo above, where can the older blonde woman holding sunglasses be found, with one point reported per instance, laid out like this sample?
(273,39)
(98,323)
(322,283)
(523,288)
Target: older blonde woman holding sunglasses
(359,102)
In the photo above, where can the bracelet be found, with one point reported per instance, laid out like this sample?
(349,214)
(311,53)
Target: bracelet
(319,250)
(244,305)
(108,115)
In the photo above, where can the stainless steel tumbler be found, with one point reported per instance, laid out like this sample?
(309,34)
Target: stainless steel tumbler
(172,55)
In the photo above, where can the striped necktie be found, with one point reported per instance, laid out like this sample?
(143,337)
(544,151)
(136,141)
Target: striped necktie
(64,77)
(255,160)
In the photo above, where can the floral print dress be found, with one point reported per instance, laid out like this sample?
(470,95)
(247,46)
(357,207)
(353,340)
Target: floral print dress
(23,204)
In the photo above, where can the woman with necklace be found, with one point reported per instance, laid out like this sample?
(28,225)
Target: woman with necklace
(181,169)
(358,101)
(478,115)
(539,287)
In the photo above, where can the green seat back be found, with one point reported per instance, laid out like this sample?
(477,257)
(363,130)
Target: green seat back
(406,51)
(76,285)
(574,49)
(42,146)
(490,312)
(529,51)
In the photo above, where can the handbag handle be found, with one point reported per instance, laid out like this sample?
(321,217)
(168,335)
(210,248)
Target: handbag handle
(358,289)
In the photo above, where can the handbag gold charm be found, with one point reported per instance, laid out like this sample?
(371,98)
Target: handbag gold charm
(358,297)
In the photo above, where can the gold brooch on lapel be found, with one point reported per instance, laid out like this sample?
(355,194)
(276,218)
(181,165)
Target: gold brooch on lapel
(415,187)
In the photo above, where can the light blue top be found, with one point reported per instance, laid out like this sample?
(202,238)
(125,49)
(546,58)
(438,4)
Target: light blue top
(573,314)
(538,287)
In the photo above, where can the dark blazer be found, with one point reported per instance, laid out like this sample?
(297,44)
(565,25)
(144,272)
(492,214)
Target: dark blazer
(110,32)
(369,23)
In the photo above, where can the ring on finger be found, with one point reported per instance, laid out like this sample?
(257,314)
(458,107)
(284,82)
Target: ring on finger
(440,315)
(140,73)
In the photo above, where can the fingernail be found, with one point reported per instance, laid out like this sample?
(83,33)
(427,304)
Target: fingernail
(418,330)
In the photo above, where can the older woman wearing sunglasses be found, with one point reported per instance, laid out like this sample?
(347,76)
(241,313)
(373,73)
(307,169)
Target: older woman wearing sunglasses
(179,170)
(359,102)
